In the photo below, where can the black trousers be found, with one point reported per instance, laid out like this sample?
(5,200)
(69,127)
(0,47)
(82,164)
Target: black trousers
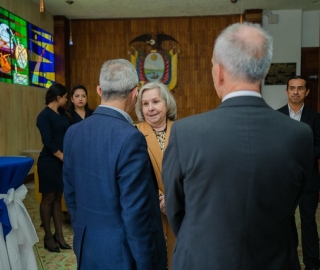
(309,232)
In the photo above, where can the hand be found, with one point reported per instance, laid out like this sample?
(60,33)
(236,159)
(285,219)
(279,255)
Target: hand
(59,155)
(162,204)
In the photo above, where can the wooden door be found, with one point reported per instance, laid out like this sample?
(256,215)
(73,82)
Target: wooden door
(310,70)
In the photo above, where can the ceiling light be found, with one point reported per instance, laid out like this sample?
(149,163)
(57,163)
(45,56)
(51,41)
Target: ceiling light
(41,5)
(70,2)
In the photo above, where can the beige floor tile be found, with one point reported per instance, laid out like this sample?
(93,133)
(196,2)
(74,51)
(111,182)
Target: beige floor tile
(46,260)
(66,259)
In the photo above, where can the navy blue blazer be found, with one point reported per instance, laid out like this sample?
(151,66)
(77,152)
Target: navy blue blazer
(311,118)
(111,196)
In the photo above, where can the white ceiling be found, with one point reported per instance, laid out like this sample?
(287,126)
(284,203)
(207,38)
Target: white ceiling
(95,9)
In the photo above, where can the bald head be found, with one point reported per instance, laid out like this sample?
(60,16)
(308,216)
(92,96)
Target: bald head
(245,51)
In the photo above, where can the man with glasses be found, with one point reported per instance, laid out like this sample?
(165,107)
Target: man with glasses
(297,91)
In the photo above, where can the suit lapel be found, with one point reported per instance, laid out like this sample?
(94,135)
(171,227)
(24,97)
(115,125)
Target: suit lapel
(285,109)
(305,114)
(154,150)
(169,125)
(153,145)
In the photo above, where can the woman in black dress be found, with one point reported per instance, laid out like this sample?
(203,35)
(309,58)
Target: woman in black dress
(52,123)
(78,108)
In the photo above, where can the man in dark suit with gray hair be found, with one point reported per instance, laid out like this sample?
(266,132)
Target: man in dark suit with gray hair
(109,185)
(234,176)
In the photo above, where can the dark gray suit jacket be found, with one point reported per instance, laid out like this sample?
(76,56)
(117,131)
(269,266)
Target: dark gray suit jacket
(311,118)
(233,181)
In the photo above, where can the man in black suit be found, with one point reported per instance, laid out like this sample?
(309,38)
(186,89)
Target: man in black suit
(297,91)
(234,176)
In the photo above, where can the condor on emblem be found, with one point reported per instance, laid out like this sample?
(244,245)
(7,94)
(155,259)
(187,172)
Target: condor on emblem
(157,64)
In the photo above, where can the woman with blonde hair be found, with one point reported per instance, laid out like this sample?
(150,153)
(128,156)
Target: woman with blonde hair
(156,109)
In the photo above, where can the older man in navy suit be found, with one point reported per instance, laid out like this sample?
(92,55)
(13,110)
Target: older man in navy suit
(110,189)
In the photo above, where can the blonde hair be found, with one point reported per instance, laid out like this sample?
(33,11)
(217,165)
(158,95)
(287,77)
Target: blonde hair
(165,95)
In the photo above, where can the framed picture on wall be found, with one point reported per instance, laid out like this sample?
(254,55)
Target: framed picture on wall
(279,73)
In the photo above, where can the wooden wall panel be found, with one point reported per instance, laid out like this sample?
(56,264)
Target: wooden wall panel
(253,15)
(29,11)
(61,50)
(96,41)
(20,105)
(310,71)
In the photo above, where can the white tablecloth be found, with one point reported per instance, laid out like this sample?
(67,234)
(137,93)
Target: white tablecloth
(16,252)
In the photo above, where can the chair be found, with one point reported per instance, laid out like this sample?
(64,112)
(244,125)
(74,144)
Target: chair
(38,194)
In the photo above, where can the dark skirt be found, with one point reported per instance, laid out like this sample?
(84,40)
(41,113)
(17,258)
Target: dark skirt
(50,174)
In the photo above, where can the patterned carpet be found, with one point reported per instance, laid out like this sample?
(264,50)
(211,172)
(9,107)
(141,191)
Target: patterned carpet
(66,259)
(46,260)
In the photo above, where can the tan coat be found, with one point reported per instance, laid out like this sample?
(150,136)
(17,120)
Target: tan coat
(156,156)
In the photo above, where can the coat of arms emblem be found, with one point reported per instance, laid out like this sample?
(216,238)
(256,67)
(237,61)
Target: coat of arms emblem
(157,64)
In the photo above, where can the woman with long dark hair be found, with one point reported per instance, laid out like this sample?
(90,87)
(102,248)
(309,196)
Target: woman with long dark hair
(78,107)
(52,123)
